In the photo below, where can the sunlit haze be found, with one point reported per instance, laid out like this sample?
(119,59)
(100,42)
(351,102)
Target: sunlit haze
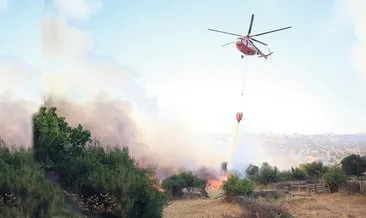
(173,79)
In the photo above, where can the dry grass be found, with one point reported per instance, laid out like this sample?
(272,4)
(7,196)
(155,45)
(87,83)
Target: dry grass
(329,205)
(201,208)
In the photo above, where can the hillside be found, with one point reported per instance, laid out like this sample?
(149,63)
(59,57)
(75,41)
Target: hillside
(306,148)
(290,150)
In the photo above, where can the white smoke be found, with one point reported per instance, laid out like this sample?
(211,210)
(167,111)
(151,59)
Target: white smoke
(106,97)
(19,92)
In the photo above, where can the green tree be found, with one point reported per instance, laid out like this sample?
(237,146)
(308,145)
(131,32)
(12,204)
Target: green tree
(298,174)
(252,172)
(285,176)
(314,170)
(174,185)
(354,165)
(235,186)
(87,168)
(268,174)
(335,177)
(24,190)
(54,141)
(186,179)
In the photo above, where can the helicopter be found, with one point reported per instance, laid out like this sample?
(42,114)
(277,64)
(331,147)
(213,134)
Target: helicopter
(245,43)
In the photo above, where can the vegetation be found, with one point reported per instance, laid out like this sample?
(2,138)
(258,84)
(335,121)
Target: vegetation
(252,172)
(256,209)
(83,167)
(354,165)
(24,191)
(267,174)
(235,186)
(176,183)
(335,177)
(110,183)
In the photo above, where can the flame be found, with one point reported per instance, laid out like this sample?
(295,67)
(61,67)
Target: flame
(155,184)
(216,184)
(153,180)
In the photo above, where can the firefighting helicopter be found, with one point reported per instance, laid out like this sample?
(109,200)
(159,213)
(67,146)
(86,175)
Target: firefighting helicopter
(245,43)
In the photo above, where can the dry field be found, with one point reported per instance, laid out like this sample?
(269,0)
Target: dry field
(328,205)
(199,208)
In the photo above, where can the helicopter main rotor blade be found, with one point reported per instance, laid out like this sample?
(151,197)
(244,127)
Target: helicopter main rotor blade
(259,34)
(225,32)
(259,51)
(258,41)
(228,43)
(251,24)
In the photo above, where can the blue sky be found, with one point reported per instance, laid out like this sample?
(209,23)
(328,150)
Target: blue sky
(309,85)
(169,43)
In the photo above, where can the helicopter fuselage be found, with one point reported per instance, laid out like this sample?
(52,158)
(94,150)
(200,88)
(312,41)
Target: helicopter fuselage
(245,46)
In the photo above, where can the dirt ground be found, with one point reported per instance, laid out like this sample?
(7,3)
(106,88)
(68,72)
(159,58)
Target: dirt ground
(327,205)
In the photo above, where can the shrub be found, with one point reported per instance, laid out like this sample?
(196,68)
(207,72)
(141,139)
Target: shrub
(24,191)
(263,210)
(252,172)
(175,183)
(89,169)
(335,177)
(354,165)
(235,186)
(298,174)
(314,170)
(268,174)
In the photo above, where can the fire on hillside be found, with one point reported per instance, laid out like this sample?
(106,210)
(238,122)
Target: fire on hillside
(216,184)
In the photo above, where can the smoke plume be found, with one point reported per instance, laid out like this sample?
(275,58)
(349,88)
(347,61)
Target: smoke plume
(18,96)
(106,99)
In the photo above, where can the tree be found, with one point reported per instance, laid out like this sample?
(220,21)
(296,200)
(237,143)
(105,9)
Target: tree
(89,169)
(285,176)
(298,174)
(252,172)
(54,141)
(24,191)
(185,179)
(314,170)
(268,174)
(174,185)
(354,165)
(335,177)
(234,186)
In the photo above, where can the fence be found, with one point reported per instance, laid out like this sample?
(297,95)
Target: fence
(317,187)
(354,187)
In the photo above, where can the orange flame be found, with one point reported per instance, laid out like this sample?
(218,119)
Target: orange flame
(216,184)
(155,184)
(153,180)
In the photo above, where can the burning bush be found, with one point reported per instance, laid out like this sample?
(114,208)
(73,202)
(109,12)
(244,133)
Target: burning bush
(235,186)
